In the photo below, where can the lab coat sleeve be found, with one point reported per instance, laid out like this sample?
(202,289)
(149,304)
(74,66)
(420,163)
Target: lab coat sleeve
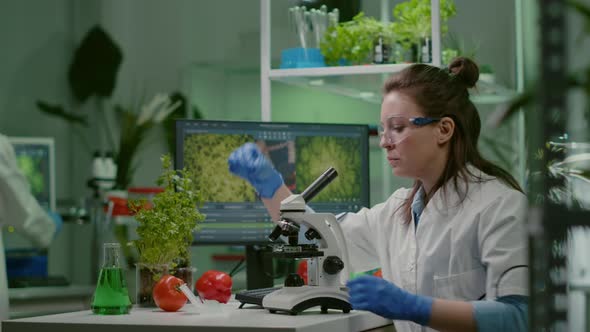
(18,207)
(360,232)
(503,245)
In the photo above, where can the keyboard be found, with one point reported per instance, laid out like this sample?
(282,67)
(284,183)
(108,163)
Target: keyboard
(254,296)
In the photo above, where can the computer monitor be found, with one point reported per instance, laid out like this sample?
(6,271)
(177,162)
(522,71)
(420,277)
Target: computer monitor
(299,151)
(35,157)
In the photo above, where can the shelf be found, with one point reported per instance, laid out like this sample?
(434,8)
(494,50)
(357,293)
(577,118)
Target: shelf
(337,71)
(366,82)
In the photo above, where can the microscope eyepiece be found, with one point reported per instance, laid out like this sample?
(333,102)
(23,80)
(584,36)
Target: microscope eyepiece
(319,184)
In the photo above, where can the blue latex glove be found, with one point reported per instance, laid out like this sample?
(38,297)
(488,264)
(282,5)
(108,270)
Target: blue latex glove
(249,163)
(385,299)
(57,220)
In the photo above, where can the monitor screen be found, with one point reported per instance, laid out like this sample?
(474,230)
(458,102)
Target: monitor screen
(36,160)
(300,152)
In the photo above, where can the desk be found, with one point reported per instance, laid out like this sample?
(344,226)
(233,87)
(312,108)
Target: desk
(232,319)
(35,301)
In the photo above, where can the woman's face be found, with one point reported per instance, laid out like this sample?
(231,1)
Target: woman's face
(414,149)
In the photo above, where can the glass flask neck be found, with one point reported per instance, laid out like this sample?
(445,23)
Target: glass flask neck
(111,255)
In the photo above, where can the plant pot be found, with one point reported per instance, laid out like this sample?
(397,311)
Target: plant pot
(146,277)
(187,274)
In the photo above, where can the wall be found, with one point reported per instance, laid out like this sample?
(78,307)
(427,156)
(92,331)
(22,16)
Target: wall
(161,42)
(37,42)
(182,45)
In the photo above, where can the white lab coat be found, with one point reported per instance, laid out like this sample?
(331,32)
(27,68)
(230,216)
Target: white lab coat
(458,250)
(19,209)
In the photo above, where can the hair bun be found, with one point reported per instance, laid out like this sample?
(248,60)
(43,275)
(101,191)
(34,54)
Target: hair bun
(465,70)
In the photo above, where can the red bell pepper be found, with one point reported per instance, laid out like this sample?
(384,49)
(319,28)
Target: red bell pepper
(214,285)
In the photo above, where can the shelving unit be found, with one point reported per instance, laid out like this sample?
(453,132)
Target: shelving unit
(337,71)
(364,82)
(361,82)
(267,74)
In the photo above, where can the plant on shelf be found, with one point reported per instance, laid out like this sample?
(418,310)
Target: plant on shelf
(353,42)
(412,22)
(165,229)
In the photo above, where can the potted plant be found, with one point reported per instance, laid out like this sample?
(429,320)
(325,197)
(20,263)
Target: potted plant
(165,230)
(353,42)
(412,25)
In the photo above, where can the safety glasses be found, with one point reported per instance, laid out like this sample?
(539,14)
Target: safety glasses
(398,128)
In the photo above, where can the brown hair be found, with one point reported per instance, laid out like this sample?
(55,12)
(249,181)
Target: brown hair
(443,93)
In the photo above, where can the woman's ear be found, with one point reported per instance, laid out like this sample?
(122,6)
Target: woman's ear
(445,130)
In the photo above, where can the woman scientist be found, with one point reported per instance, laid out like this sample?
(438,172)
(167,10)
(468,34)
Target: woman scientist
(20,209)
(452,248)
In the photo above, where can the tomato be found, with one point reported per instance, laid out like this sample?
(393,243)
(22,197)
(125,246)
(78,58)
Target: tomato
(167,293)
(214,285)
(302,270)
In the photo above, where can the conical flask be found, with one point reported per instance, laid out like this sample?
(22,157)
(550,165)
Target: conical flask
(111,296)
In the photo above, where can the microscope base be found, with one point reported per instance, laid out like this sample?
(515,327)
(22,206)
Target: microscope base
(294,300)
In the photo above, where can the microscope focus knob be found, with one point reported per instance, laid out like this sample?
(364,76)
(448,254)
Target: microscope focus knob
(294,280)
(333,265)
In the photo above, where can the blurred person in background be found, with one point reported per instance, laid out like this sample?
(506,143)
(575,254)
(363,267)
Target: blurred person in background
(20,209)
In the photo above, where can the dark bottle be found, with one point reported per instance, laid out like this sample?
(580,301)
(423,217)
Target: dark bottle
(381,51)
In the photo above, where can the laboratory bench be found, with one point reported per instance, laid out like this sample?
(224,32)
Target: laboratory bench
(35,301)
(227,318)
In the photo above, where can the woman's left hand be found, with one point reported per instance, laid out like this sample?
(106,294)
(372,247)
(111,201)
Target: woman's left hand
(386,299)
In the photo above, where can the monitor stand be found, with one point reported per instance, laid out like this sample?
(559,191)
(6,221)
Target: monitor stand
(259,268)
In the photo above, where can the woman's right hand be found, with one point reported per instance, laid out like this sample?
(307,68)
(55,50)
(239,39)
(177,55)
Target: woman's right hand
(249,163)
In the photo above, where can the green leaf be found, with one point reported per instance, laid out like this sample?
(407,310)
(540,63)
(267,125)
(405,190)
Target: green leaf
(413,22)
(58,111)
(166,231)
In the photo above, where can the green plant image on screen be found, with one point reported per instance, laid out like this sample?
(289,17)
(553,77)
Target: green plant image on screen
(206,155)
(31,168)
(315,154)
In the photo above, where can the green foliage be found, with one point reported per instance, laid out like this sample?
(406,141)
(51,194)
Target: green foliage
(130,140)
(316,153)
(412,20)
(29,166)
(466,48)
(448,54)
(206,155)
(166,230)
(353,41)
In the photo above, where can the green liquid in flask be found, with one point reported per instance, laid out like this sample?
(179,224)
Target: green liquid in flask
(111,296)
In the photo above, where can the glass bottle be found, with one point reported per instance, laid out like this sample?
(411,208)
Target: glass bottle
(111,296)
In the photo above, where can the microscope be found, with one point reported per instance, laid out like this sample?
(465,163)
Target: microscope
(328,263)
